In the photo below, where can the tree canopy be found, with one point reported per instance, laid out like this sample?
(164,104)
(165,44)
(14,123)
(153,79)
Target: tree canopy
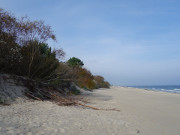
(23,29)
(75,62)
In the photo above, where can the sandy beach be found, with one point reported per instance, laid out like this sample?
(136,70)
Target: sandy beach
(141,112)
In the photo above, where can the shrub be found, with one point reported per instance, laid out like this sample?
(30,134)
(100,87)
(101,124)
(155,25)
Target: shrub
(38,60)
(85,79)
(62,77)
(10,56)
(22,47)
(100,82)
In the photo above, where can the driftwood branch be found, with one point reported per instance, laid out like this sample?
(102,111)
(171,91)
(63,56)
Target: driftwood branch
(65,101)
(46,93)
(30,95)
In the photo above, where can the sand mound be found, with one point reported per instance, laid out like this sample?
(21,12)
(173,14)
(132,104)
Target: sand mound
(11,89)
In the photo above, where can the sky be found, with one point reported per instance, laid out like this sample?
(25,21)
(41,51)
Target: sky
(129,42)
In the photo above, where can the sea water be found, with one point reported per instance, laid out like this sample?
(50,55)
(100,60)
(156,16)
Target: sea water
(165,88)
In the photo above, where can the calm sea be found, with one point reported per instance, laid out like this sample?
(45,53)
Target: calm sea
(165,88)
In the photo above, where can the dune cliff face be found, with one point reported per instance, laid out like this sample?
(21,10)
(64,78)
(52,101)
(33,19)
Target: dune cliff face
(11,89)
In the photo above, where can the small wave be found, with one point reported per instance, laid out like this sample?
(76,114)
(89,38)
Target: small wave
(171,89)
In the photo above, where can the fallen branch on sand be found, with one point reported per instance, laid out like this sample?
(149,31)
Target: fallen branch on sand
(67,102)
(62,101)
(42,91)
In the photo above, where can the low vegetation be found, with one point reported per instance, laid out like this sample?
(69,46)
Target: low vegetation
(24,51)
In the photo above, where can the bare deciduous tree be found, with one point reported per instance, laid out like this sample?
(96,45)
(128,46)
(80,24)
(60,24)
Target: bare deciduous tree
(24,29)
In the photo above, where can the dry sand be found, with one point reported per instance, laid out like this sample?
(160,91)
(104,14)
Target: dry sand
(142,112)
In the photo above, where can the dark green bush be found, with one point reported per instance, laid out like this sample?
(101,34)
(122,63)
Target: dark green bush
(10,56)
(75,62)
(38,60)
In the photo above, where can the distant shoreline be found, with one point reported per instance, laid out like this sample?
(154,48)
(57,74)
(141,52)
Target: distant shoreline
(162,88)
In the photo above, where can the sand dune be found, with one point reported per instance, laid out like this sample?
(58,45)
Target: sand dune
(142,112)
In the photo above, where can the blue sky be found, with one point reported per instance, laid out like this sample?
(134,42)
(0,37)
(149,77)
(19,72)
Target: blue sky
(129,42)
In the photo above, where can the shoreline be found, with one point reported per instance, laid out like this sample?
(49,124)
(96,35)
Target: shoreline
(155,90)
(141,112)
